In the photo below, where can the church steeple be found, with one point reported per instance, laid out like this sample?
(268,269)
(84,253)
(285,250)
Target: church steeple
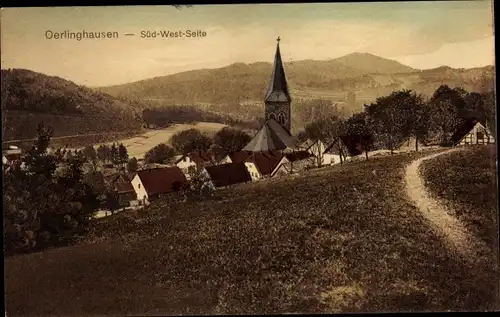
(278,98)
(278,87)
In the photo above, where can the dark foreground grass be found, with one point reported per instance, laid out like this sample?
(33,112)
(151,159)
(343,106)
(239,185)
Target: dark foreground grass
(467,181)
(332,240)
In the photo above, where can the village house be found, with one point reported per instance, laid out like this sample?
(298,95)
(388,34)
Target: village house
(121,185)
(260,164)
(151,184)
(227,174)
(472,132)
(193,162)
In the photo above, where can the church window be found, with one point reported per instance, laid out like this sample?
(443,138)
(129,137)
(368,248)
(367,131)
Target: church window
(281,118)
(272,116)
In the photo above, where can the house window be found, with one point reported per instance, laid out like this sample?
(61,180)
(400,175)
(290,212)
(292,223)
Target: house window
(480,135)
(139,186)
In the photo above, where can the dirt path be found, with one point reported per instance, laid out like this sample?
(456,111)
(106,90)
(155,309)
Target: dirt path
(436,212)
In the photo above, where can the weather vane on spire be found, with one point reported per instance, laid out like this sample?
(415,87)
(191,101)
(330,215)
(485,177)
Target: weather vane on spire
(278,39)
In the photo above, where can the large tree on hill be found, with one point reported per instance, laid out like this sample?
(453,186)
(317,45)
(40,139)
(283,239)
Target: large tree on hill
(400,115)
(447,109)
(358,130)
(191,140)
(160,154)
(231,140)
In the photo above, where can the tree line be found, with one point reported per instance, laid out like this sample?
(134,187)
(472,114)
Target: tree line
(403,114)
(225,141)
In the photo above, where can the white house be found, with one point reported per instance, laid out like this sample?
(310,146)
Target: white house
(192,162)
(152,184)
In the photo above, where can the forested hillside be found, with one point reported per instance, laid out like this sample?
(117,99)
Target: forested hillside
(29,97)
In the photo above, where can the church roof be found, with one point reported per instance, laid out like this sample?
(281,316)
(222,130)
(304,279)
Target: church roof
(278,87)
(272,136)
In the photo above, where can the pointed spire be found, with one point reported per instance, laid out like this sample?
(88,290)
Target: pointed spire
(278,87)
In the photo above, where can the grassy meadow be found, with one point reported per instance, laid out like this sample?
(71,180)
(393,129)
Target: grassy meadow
(467,181)
(336,239)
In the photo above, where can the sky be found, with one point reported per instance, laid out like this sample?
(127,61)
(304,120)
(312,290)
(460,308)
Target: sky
(420,34)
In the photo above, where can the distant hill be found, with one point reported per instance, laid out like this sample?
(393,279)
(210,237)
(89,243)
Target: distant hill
(367,75)
(29,97)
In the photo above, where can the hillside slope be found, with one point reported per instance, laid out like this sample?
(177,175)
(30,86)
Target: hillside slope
(368,76)
(29,97)
(339,239)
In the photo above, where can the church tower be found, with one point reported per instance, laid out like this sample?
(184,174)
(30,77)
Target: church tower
(278,99)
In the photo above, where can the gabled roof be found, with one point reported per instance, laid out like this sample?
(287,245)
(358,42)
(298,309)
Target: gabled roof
(228,174)
(408,142)
(278,87)
(161,180)
(266,162)
(465,128)
(120,183)
(240,156)
(272,136)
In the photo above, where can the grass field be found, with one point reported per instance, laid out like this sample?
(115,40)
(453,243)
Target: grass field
(467,180)
(337,239)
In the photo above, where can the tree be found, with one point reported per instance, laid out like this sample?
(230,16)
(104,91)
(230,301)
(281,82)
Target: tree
(132,165)
(231,140)
(160,154)
(416,118)
(42,207)
(192,140)
(359,132)
(113,154)
(448,106)
(122,154)
(103,152)
(216,152)
(90,153)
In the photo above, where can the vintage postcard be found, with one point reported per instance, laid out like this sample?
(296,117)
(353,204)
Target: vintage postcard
(249,159)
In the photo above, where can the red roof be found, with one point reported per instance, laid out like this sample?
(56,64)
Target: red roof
(162,180)
(266,162)
(199,158)
(240,156)
(228,174)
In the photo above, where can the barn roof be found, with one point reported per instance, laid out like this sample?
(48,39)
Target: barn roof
(272,136)
(228,174)
(161,180)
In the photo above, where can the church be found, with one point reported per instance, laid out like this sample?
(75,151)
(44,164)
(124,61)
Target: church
(275,134)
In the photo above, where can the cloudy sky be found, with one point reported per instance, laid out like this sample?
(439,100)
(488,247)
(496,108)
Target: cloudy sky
(419,34)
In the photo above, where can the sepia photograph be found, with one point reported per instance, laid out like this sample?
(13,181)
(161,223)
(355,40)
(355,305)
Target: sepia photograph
(253,159)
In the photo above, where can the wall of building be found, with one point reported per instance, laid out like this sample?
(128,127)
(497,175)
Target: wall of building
(139,189)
